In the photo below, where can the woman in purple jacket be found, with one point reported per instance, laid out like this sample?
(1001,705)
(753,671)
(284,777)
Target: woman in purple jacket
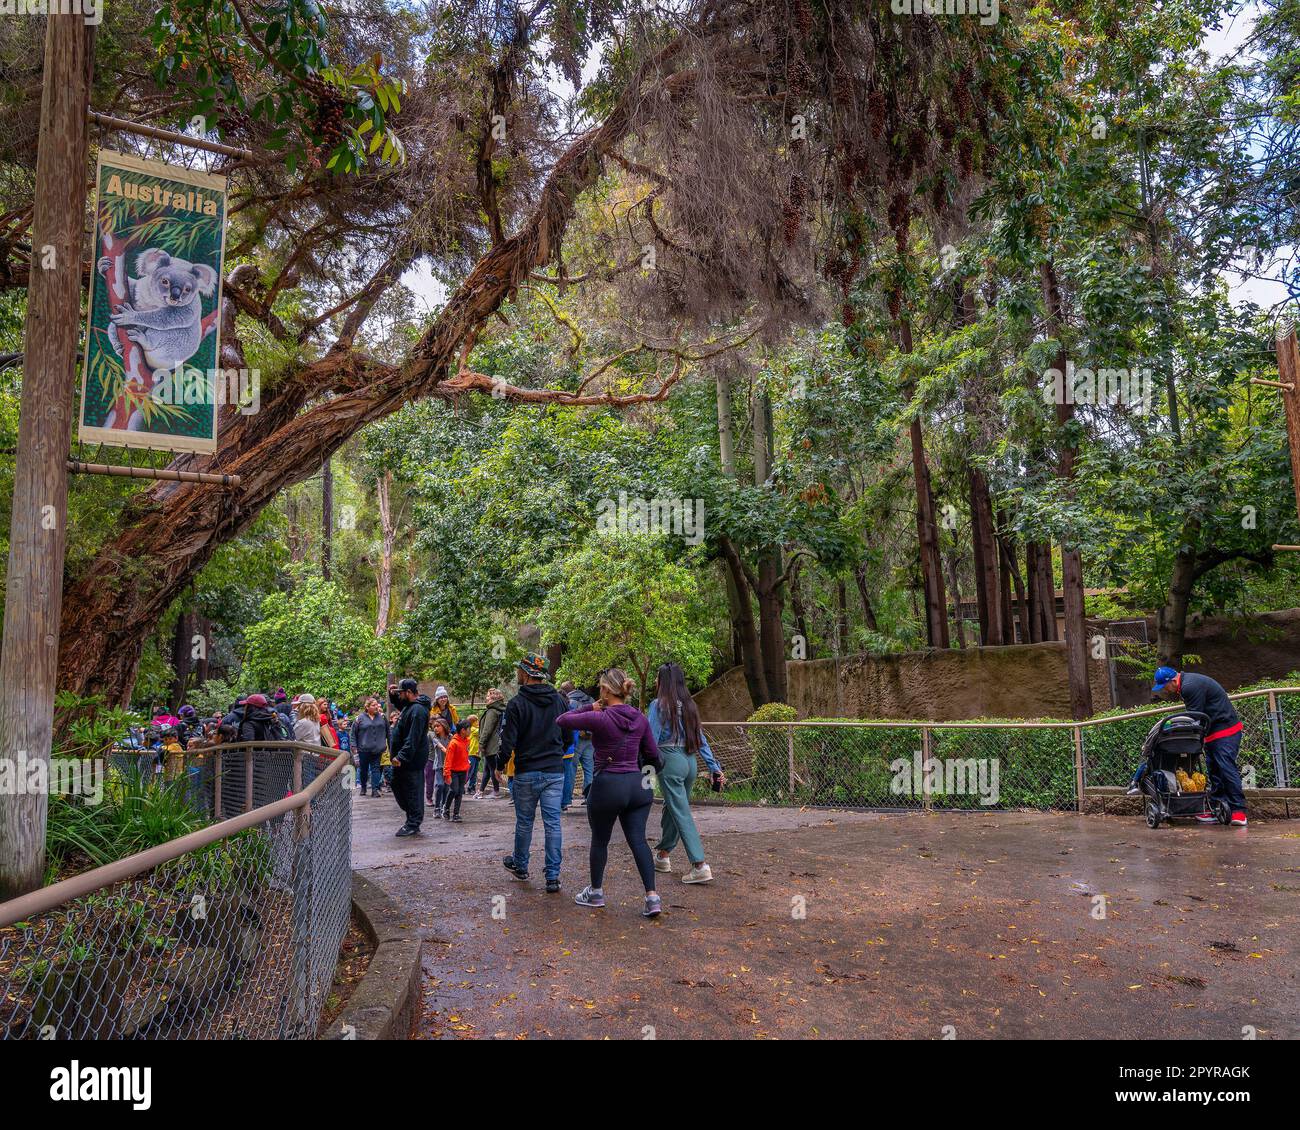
(620,790)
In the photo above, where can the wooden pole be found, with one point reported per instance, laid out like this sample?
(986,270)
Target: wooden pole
(164,473)
(38,525)
(110,122)
(1288,367)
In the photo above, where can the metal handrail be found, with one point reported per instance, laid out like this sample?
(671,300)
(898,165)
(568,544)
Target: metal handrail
(47,898)
(927,724)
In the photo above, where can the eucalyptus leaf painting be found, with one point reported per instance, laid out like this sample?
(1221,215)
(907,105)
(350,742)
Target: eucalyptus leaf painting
(151,377)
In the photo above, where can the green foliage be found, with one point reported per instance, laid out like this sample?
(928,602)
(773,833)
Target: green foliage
(137,813)
(308,639)
(213,697)
(276,69)
(87,727)
(620,600)
(471,657)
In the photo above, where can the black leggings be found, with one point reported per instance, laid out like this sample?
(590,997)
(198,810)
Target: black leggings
(622,797)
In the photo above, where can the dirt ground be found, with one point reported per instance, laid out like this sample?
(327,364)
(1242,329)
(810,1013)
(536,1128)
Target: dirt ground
(821,924)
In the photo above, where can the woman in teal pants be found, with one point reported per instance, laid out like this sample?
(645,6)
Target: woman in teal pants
(675,723)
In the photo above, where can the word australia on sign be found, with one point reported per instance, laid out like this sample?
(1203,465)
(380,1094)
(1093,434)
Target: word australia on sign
(151,376)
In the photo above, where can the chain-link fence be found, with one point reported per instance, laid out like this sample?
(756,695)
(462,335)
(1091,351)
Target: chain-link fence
(1044,765)
(232,932)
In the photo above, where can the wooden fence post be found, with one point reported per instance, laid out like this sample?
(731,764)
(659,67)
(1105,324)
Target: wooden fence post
(1078,766)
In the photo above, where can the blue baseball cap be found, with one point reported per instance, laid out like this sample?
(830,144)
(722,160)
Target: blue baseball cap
(1164,676)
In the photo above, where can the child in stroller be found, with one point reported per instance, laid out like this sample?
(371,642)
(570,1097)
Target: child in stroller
(1172,773)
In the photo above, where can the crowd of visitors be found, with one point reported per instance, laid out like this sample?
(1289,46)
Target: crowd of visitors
(431,760)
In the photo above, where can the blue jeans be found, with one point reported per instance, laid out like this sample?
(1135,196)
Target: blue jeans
(586,753)
(531,789)
(570,775)
(473,775)
(369,769)
(1225,777)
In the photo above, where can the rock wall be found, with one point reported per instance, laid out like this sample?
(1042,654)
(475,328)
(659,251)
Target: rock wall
(1022,681)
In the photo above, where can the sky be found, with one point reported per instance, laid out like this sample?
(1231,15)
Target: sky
(1221,44)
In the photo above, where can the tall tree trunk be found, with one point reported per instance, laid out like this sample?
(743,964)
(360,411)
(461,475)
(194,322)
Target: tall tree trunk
(1046,592)
(868,611)
(203,664)
(38,519)
(956,600)
(988,590)
(183,655)
(771,602)
(1076,628)
(383,486)
(988,595)
(1171,620)
(1011,576)
(927,529)
(744,633)
(800,613)
(1034,579)
(842,602)
(750,649)
(326,516)
(297,540)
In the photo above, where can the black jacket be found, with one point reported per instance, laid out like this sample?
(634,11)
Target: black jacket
(1202,693)
(369,735)
(259,725)
(529,729)
(410,737)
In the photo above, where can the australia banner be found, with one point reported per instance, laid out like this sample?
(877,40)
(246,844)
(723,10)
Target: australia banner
(151,376)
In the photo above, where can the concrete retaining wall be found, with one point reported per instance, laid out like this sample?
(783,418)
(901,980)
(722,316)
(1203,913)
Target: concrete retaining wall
(1021,681)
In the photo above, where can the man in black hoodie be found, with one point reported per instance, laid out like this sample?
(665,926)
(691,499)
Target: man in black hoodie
(528,728)
(410,752)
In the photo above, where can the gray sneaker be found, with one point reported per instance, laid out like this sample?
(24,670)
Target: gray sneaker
(588,897)
(653,905)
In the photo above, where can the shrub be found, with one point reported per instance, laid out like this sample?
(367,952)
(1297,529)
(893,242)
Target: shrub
(849,765)
(768,747)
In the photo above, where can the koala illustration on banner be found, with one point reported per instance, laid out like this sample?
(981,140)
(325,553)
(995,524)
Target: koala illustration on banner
(164,316)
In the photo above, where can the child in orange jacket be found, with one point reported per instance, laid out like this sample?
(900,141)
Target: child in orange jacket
(455,771)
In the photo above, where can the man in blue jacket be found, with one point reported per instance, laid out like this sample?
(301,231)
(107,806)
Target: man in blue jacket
(1222,739)
(410,752)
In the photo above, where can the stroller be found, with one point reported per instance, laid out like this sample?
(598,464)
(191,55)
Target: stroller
(1177,743)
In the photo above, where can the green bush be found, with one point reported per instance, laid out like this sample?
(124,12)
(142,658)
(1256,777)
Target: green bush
(768,746)
(850,765)
(136,813)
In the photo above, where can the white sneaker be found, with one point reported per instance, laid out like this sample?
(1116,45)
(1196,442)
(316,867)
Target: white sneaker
(662,864)
(701,874)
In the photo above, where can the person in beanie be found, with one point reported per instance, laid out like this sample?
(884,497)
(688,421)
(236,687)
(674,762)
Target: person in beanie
(1222,740)
(410,745)
(530,732)
(442,708)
